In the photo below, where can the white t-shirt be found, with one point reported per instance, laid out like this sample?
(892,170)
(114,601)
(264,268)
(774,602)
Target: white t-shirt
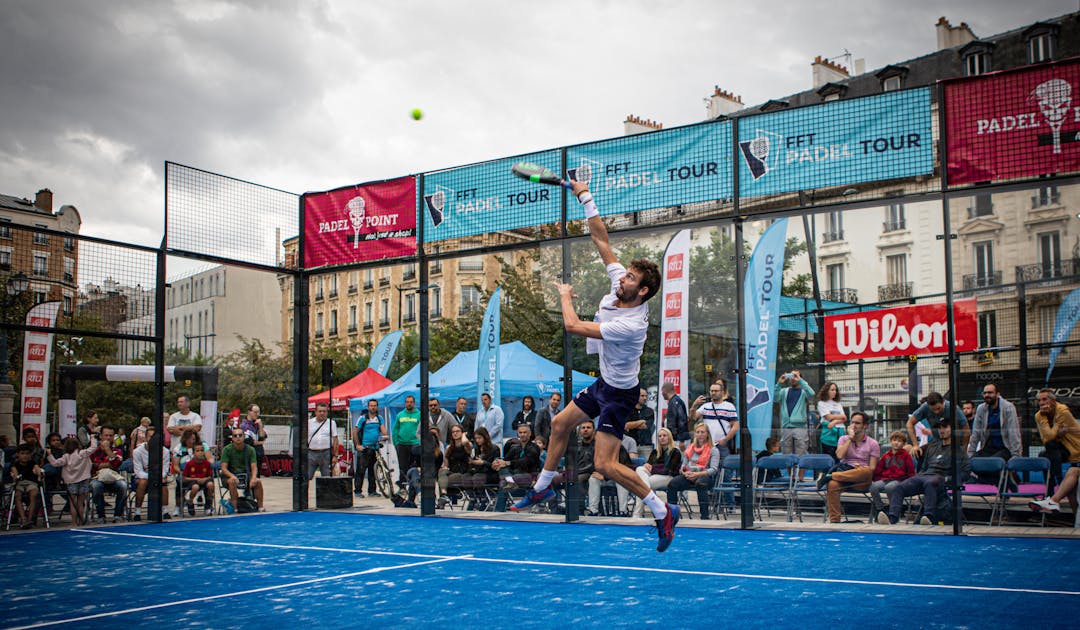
(319,438)
(185,419)
(623,331)
(718,418)
(140,460)
(825,407)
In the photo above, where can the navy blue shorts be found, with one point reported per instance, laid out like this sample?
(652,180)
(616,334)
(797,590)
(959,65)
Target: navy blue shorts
(608,405)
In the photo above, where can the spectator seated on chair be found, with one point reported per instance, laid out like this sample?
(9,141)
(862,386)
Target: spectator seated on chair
(26,474)
(700,463)
(54,445)
(932,480)
(995,431)
(484,455)
(772,447)
(597,481)
(239,458)
(518,466)
(1065,490)
(1059,431)
(894,466)
(140,460)
(664,464)
(105,468)
(858,454)
(74,466)
(198,475)
(455,466)
(183,451)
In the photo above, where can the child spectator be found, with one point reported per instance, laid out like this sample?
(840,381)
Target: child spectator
(74,467)
(198,475)
(772,446)
(26,474)
(894,466)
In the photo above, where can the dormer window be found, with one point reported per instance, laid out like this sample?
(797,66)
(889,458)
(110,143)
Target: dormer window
(1041,41)
(977,57)
(773,105)
(891,77)
(832,91)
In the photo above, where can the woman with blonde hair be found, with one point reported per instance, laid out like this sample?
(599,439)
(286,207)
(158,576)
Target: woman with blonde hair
(663,465)
(701,462)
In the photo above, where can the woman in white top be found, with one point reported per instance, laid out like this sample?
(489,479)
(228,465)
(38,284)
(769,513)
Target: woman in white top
(833,418)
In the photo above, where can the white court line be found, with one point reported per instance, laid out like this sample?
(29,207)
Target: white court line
(611,567)
(263,589)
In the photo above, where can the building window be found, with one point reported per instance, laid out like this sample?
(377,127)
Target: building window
(5,259)
(1040,48)
(67,305)
(984,263)
(1047,319)
(471,263)
(977,63)
(410,308)
(988,329)
(410,272)
(41,264)
(69,244)
(367,314)
(333,286)
(384,312)
(834,226)
(981,206)
(40,296)
(890,84)
(896,269)
(435,305)
(1050,255)
(318,324)
(69,269)
(470,298)
(369,278)
(352,317)
(39,238)
(1045,196)
(5,227)
(333,322)
(894,217)
(835,275)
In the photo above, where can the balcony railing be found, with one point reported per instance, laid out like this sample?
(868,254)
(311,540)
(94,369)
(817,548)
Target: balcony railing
(352,329)
(847,296)
(898,291)
(462,310)
(408,319)
(980,211)
(982,280)
(333,332)
(893,226)
(1044,199)
(829,237)
(435,315)
(368,326)
(384,323)
(408,274)
(318,334)
(318,296)
(368,285)
(436,268)
(384,282)
(333,294)
(1046,271)
(352,289)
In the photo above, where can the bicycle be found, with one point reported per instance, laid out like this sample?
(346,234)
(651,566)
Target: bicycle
(384,481)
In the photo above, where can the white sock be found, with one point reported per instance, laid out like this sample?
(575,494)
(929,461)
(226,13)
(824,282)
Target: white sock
(656,506)
(544,480)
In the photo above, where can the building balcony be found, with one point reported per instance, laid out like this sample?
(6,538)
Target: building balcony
(982,280)
(829,237)
(318,334)
(436,268)
(899,291)
(368,285)
(384,282)
(352,289)
(847,296)
(332,333)
(435,315)
(384,323)
(1046,271)
(409,274)
(368,326)
(983,210)
(408,319)
(893,226)
(352,329)
(318,296)
(333,294)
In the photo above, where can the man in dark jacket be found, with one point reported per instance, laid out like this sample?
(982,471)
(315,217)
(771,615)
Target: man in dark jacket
(518,465)
(934,478)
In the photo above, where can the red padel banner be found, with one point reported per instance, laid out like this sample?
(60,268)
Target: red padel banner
(1016,124)
(905,330)
(360,223)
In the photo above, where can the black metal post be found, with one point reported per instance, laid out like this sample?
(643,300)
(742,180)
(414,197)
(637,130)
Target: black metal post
(301,303)
(428,473)
(158,422)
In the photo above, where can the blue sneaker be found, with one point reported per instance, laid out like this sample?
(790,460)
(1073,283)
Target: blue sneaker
(665,527)
(532,497)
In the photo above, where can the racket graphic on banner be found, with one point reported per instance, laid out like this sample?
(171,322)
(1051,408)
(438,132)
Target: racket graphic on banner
(538,174)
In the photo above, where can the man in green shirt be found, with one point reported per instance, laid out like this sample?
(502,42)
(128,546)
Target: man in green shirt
(238,458)
(406,435)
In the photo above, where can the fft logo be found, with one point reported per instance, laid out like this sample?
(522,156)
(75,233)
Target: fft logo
(37,352)
(35,379)
(675,378)
(673,305)
(672,343)
(674,267)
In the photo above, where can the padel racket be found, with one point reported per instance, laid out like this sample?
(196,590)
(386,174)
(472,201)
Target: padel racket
(538,174)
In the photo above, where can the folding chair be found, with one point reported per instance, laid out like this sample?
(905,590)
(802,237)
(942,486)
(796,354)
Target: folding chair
(777,488)
(728,483)
(1026,488)
(816,465)
(42,505)
(988,494)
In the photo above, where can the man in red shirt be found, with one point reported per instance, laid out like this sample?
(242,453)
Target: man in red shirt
(107,457)
(198,475)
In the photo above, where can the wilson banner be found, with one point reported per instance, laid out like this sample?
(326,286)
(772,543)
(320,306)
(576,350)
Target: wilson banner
(900,331)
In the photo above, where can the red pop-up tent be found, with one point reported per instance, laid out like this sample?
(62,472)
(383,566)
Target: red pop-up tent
(367,382)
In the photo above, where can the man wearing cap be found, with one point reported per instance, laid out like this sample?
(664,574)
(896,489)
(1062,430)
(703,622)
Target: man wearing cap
(933,479)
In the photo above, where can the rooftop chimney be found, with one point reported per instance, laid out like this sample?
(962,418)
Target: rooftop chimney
(949,36)
(722,103)
(43,200)
(825,71)
(634,125)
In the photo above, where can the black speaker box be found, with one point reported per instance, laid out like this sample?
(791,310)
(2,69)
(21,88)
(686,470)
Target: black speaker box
(333,493)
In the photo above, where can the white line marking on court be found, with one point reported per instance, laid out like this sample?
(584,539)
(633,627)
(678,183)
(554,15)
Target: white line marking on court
(263,589)
(605,567)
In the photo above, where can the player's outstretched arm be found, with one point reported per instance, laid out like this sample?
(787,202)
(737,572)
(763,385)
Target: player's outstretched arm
(597,229)
(571,321)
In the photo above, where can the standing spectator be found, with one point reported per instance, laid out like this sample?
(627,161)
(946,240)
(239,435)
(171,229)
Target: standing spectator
(700,463)
(676,419)
(490,417)
(138,434)
(968,409)
(54,445)
(367,436)
(642,424)
(794,395)
(255,432)
(995,430)
(924,420)
(858,454)
(89,428)
(464,418)
(238,458)
(935,472)
(185,417)
(197,475)
(322,442)
(140,458)
(719,416)
(26,473)
(542,428)
(441,419)
(74,465)
(894,467)
(1059,431)
(527,415)
(105,469)
(406,434)
(833,418)
(662,466)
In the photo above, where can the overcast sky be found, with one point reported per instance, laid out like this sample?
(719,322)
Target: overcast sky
(312,95)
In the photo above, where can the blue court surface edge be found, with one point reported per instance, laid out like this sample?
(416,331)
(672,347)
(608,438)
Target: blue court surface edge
(346,570)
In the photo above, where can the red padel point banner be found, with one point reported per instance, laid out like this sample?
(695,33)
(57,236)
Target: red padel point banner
(1014,125)
(360,223)
(905,330)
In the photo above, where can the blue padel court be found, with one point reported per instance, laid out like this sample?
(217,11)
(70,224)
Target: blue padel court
(320,569)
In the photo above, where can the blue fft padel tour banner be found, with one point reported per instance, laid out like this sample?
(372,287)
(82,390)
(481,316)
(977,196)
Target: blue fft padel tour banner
(836,144)
(487,359)
(764,279)
(384,353)
(654,170)
(486,198)
(1067,315)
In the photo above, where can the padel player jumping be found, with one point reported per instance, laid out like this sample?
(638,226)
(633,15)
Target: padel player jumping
(618,335)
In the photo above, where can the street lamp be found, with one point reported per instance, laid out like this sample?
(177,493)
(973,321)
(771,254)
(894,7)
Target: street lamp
(17,284)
